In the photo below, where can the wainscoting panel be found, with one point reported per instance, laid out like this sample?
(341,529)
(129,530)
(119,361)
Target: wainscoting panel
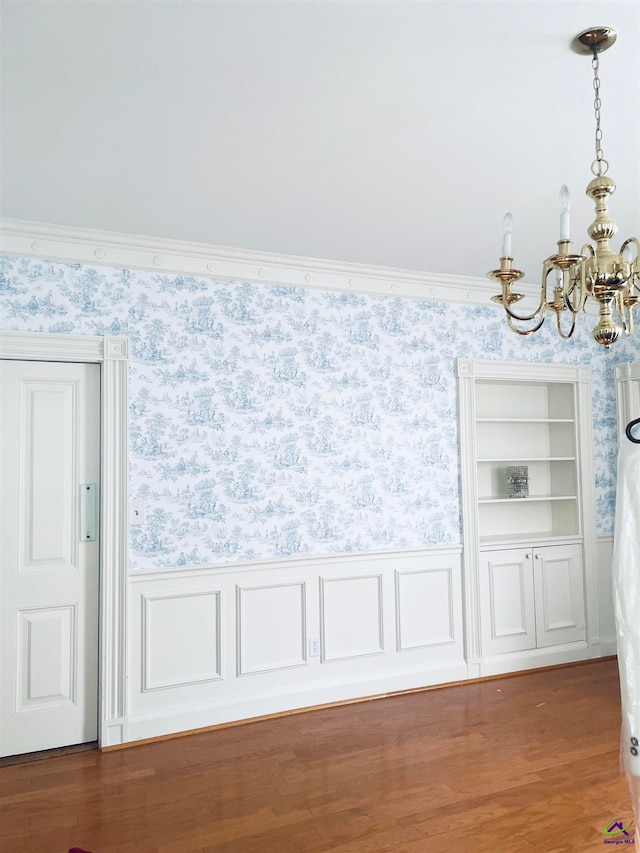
(214,644)
(182,642)
(426,607)
(271,631)
(352,618)
(608,642)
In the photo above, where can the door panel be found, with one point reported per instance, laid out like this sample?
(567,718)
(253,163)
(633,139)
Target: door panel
(49,444)
(559,587)
(46,659)
(46,480)
(507,601)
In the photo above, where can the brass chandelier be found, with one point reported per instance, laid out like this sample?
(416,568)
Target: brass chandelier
(613,280)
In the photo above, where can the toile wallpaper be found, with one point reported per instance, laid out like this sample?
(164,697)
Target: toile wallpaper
(270,422)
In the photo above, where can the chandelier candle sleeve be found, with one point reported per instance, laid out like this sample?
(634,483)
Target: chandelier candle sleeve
(507,231)
(565,198)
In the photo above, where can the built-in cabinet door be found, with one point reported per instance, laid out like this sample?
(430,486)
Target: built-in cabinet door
(507,601)
(559,595)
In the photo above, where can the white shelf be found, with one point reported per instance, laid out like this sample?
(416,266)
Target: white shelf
(535,538)
(512,501)
(517,460)
(525,420)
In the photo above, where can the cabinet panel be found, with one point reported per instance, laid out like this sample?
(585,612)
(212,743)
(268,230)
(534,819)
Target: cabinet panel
(559,595)
(507,601)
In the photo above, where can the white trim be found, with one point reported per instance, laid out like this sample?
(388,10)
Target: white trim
(282,699)
(505,662)
(469,507)
(521,371)
(302,564)
(112,354)
(628,371)
(627,378)
(106,248)
(40,346)
(587,506)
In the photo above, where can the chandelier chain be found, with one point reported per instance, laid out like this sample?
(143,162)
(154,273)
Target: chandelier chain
(599,166)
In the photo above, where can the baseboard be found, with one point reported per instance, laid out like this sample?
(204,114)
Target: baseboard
(260,704)
(340,703)
(608,648)
(534,659)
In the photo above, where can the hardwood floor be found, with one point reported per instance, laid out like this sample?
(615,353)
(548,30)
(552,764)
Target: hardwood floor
(527,764)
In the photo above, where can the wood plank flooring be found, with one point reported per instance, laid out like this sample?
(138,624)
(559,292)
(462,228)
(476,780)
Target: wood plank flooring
(528,764)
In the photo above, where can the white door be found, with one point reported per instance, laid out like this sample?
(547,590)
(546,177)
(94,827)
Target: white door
(49,554)
(507,601)
(559,583)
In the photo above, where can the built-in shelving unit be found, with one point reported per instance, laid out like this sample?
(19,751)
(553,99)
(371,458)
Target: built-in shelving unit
(528,424)
(529,560)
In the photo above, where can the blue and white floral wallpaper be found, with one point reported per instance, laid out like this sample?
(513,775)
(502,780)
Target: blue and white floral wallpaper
(268,422)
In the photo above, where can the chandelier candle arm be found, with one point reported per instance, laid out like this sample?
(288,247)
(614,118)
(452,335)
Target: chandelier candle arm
(611,279)
(506,275)
(626,250)
(525,332)
(559,305)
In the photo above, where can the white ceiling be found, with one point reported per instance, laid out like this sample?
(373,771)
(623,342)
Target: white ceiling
(394,133)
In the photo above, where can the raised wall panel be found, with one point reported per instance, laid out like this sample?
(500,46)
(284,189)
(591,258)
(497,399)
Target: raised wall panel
(271,627)
(181,639)
(425,608)
(47,474)
(46,657)
(351,617)
(605,590)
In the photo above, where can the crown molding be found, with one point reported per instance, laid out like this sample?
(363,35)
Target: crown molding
(128,251)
